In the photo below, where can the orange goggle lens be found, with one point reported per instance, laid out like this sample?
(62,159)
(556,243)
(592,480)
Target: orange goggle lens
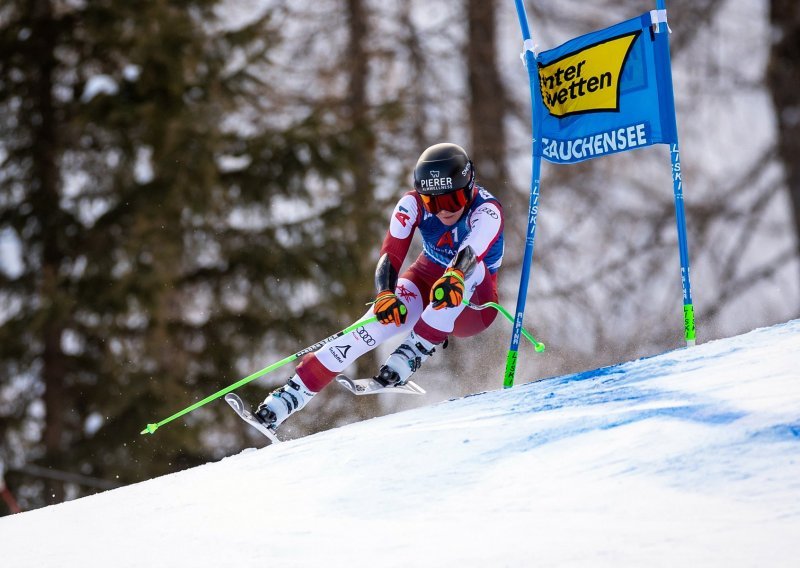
(452,201)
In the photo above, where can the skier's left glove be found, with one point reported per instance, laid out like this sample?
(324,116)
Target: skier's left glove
(448,291)
(389,308)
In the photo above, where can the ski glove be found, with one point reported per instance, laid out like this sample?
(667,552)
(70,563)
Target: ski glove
(389,308)
(448,291)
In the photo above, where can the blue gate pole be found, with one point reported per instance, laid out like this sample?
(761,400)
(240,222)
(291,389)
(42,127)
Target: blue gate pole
(666,93)
(533,207)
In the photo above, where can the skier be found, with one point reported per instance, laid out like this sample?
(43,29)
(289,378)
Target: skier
(462,231)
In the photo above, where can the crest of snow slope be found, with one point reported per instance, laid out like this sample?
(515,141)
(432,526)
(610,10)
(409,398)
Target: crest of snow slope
(691,458)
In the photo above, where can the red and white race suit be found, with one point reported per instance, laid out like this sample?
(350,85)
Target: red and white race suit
(480,227)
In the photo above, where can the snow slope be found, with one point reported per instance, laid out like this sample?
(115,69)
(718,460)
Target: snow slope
(691,458)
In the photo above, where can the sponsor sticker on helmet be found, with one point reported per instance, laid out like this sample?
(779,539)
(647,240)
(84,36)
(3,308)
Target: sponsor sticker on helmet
(436,182)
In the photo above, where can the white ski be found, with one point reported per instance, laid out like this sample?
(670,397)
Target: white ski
(239,408)
(373,386)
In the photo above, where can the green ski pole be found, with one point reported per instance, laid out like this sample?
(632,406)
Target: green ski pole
(151,428)
(537,345)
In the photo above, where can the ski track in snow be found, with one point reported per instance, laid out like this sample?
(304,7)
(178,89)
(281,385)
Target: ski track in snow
(690,458)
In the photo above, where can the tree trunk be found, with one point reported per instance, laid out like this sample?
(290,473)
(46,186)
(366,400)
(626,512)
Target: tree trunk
(363,152)
(487,98)
(784,69)
(47,212)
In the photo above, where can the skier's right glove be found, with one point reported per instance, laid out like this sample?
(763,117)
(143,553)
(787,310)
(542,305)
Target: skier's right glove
(448,291)
(389,308)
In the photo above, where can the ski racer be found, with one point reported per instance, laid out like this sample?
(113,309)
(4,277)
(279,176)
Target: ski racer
(461,225)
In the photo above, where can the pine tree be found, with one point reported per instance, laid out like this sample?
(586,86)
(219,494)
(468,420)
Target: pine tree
(172,215)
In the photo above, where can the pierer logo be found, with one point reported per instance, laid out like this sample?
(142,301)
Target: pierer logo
(436,182)
(587,80)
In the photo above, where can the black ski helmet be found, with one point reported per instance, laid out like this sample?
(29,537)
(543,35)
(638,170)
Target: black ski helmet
(444,168)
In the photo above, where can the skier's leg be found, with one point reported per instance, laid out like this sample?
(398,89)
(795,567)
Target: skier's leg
(435,325)
(319,368)
(472,322)
(316,370)
(431,329)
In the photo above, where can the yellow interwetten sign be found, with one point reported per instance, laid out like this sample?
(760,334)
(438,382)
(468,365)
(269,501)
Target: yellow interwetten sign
(587,80)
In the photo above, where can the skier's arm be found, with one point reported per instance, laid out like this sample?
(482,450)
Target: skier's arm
(405,219)
(465,261)
(385,274)
(485,227)
(486,224)
(388,307)
(448,291)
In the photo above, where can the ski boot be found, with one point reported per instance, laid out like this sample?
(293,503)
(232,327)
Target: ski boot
(282,402)
(405,360)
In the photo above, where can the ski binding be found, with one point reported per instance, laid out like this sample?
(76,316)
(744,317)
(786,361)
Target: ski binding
(374,386)
(239,408)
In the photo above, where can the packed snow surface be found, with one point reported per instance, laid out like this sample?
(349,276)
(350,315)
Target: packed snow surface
(690,458)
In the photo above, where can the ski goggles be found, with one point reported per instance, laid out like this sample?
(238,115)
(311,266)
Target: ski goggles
(451,202)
